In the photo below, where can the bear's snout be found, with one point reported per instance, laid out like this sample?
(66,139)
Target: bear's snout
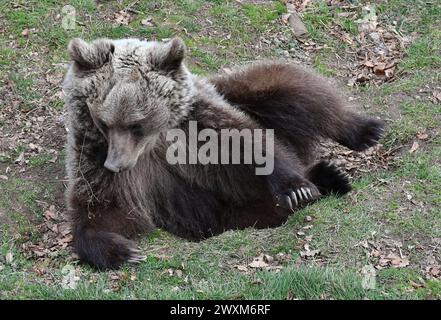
(111,166)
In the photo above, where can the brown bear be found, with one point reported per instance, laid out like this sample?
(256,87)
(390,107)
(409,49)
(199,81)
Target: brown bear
(124,96)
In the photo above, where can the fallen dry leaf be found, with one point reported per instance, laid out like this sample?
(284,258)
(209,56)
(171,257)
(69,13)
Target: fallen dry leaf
(297,25)
(414,147)
(25,32)
(263,261)
(37,250)
(241,268)
(39,271)
(433,271)
(148,22)
(70,279)
(258,263)
(375,253)
(423,136)
(369,21)
(295,22)
(9,257)
(417,285)
(389,73)
(283,257)
(369,274)
(369,64)
(20,159)
(123,18)
(299,5)
(398,261)
(393,260)
(379,68)
(308,253)
(51,213)
(117,275)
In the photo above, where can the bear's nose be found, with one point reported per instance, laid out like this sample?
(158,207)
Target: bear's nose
(110,166)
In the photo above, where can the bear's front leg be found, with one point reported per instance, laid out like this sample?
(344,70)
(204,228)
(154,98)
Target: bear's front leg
(102,232)
(289,188)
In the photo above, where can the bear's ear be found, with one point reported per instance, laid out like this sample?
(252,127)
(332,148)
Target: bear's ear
(173,54)
(90,55)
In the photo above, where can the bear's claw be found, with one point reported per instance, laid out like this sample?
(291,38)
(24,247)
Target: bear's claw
(135,256)
(298,196)
(136,259)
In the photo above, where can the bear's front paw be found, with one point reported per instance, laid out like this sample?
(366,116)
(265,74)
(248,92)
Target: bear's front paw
(297,194)
(106,250)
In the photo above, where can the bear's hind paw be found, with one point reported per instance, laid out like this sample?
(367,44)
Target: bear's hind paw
(329,178)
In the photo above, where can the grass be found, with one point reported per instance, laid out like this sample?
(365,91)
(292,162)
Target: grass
(378,209)
(40,160)
(424,53)
(261,15)
(20,197)
(415,117)
(322,67)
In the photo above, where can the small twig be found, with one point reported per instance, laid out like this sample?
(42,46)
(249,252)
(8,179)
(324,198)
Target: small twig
(48,180)
(80,23)
(129,7)
(370,186)
(133,11)
(392,150)
(82,174)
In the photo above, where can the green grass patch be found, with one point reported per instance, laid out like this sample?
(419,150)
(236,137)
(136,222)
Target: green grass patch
(416,116)
(322,68)
(402,283)
(23,196)
(378,206)
(7,56)
(424,53)
(313,283)
(260,15)
(40,159)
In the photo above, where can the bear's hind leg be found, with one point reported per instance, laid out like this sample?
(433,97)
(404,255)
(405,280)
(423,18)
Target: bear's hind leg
(299,105)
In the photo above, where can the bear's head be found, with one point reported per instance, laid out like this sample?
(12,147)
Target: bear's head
(135,90)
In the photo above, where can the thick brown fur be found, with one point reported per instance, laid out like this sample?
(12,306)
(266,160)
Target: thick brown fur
(122,97)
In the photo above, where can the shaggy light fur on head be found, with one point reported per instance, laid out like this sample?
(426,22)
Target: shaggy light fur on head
(116,74)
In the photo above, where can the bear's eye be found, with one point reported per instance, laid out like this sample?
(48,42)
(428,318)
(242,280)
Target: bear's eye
(137,130)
